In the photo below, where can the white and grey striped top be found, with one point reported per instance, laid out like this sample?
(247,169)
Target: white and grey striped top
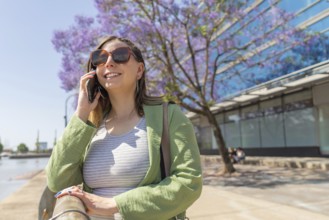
(116,164)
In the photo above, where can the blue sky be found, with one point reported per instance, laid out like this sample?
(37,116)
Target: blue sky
(31,95)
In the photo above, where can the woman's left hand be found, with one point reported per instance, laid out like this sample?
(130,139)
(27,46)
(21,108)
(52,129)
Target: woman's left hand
(95,205)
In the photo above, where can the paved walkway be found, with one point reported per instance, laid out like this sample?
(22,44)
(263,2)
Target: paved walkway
(215,204)
(253,192)
(23,204)
(260,192)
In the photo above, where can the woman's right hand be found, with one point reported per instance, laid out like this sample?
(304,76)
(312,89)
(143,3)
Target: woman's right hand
(84,106)
(95,205)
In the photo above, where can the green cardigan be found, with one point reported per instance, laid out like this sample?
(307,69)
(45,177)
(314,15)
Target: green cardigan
(153,198)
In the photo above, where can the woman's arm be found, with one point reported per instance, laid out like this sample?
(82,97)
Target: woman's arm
(65,164)
(175,193)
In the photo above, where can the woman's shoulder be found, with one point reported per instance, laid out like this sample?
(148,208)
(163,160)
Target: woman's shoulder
(156,111)
(157,105)
(153,100)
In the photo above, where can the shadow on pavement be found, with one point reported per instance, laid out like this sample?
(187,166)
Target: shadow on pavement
(262,176)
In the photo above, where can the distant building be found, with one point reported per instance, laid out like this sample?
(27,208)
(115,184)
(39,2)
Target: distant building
(6,152)
(43,145)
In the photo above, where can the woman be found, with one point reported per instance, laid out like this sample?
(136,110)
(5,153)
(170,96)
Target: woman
(112,145)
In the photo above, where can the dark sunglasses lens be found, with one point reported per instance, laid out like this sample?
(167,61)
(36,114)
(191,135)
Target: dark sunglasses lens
(121,55)
(99,57)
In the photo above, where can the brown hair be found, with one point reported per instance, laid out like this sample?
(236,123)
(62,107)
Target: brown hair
(104,104)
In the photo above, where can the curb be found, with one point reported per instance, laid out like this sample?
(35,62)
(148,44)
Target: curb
(285,162)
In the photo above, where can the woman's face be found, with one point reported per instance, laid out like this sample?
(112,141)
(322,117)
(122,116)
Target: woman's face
(119,76)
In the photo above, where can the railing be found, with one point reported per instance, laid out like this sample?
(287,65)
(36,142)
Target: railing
(69,207)
(63,208)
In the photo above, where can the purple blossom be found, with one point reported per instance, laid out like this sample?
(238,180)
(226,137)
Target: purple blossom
(163,30)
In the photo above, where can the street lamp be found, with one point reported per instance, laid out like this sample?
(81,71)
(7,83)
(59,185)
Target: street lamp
(66,101)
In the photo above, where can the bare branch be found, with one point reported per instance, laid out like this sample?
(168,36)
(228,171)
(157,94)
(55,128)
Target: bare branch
(140,4)
(153,9)
(207,67)
(195,71)
(214,75)
(189,106)
(169,9)
(191,109)
(181,67)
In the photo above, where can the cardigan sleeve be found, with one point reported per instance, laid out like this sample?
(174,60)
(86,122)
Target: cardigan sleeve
(177,192)
(64,167)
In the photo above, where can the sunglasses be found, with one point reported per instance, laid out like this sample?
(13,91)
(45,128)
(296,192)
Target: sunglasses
(119,55)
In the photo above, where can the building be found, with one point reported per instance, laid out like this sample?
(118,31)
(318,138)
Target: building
(287,116)
(43,146)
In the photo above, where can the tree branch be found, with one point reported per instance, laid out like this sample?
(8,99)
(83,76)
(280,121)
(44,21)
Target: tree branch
(191,108)
(180,66)
(214,76)
(195,71)
(139,3)
(207,67)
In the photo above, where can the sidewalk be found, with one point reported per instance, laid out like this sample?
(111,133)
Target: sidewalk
(23,204)
(275,191)
(254,192)
(215,204)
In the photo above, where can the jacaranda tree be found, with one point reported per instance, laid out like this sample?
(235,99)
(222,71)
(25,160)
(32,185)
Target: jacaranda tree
(194,50)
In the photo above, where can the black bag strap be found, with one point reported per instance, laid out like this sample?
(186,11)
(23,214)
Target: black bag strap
(165,144)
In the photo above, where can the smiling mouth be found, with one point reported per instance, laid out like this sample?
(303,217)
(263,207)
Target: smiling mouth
(111,75)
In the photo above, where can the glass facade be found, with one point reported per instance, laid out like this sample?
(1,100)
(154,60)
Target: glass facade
(306,9)
(324,127)
(298,123)
(272,130)
(287,121)
(272,123)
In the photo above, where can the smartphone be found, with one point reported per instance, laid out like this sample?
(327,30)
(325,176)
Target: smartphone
(92,88)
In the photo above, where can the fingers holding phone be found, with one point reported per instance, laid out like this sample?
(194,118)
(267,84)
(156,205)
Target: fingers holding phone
(88,95)
(92,88)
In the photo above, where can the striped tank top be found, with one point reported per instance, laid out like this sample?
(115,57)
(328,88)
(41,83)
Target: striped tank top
(116,164)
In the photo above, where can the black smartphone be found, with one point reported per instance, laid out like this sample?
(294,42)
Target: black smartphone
(92,88)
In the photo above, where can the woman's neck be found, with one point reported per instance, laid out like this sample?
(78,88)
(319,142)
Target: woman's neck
(123,106)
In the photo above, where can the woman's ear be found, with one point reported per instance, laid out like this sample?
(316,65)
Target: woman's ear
(140,71)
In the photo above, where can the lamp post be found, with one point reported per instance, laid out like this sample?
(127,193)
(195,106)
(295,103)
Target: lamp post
(66,101)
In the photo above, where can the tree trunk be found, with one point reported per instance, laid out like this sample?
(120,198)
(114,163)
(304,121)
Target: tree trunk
(228,166)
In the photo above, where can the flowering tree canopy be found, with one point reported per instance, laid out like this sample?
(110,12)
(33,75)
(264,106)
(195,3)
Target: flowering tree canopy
(196,51)
(192,48)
